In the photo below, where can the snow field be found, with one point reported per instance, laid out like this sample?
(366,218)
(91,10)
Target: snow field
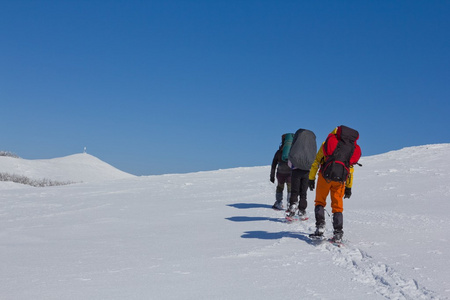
(213,235)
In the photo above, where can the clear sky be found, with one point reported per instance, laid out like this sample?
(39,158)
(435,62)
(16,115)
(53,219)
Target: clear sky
(156,87)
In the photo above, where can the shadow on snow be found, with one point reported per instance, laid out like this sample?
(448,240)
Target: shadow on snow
(264,235)
(252,219)
(249,205)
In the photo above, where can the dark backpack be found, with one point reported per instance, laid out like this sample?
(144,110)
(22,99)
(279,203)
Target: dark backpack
(303,149)
(341,152)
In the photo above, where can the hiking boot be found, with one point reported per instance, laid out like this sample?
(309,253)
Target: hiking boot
(337,237)
(291,210)
(278,205)
(301,213)
(319,230)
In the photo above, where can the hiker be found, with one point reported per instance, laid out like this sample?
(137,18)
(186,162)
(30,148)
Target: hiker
(336,158)
(301,156)
(283,174)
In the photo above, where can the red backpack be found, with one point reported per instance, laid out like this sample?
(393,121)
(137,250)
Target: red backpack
(341,151)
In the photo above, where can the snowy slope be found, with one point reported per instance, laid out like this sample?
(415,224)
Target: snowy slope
(74,168)
(213,235)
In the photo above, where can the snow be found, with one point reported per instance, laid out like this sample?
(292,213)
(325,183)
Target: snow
(74,168)
(213,235)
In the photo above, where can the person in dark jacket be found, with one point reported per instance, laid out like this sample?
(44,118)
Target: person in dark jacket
(283,174)
(301,156)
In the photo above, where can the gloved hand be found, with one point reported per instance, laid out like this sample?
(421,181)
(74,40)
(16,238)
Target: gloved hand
(272,178)
(311,185)
(348,192)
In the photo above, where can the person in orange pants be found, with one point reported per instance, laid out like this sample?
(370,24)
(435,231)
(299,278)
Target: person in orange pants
(337,190)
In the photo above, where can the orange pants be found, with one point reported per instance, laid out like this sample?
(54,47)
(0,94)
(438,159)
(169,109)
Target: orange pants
(336,191)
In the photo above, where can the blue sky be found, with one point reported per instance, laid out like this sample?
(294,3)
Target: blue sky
(155,87)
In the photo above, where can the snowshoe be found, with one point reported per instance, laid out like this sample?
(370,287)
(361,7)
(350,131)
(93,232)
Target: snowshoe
(337,237)
(316,235)
(296,218)
(339,244)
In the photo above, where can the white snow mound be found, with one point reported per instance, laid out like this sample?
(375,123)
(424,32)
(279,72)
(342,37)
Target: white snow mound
(73,168)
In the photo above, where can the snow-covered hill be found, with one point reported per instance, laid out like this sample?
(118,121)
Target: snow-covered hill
(74,168)
(213,235)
